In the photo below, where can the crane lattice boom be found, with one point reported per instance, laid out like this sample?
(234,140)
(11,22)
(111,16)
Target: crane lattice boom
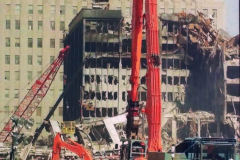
(35,95)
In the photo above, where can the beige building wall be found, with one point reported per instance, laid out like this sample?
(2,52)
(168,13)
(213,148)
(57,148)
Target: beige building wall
(17,76)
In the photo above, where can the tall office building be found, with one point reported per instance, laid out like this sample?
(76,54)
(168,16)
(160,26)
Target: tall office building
(31,33)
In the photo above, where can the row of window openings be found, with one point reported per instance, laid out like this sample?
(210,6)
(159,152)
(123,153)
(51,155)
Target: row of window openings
(38,110)
(109,79)
(16,93)
(40,9)
(29,61)
(29,75)
(170,96)
(192,11)
(112,95)
(30,25)
(30,42)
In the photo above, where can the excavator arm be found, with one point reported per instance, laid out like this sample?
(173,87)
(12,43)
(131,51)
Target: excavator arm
(72,146)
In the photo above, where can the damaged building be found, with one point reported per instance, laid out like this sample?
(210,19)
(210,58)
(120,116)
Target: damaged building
(199,74)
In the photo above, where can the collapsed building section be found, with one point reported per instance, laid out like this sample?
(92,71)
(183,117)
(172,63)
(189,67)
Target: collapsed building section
(199,77)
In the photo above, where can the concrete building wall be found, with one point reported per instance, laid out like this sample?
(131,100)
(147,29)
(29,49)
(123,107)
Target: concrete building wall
(27,71)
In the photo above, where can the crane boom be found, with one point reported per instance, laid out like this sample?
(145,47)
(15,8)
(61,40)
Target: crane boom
(153,105)
(35,94)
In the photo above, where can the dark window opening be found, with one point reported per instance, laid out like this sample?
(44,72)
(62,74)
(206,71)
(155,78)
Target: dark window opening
(92,79)
(170,96)
(176,80)
(87,80)
(164,96)
(98,112)
(110,96)
(104,96)
(104,111)
(115,95)
(182,80)
(98,95)
(115,80)
(110,79)
(86,95)
(115,112)
(164,79)
(170,80)
(143,96)
(233,72)
(92,95)
(98,79)
(233,89)
(110,112)
(124,96)
(143,80)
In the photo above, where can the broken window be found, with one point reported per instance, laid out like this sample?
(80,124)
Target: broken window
(39,60)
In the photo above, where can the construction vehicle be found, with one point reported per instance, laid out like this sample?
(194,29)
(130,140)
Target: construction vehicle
(35,95)
(151,149)
(138,148)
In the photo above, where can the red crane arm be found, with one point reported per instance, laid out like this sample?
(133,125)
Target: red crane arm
(153,105)
(133,104)
(35,94)
(73,147)
(137,25)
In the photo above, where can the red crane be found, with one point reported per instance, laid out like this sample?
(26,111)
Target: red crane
(72,146)
(35,94)
(153,105)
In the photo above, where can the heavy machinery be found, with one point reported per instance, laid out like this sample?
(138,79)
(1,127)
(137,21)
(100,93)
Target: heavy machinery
(153,105)
(35,95)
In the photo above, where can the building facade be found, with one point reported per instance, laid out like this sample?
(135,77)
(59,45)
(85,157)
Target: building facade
(31,34)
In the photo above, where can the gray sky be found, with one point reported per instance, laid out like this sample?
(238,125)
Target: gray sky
(232,17)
